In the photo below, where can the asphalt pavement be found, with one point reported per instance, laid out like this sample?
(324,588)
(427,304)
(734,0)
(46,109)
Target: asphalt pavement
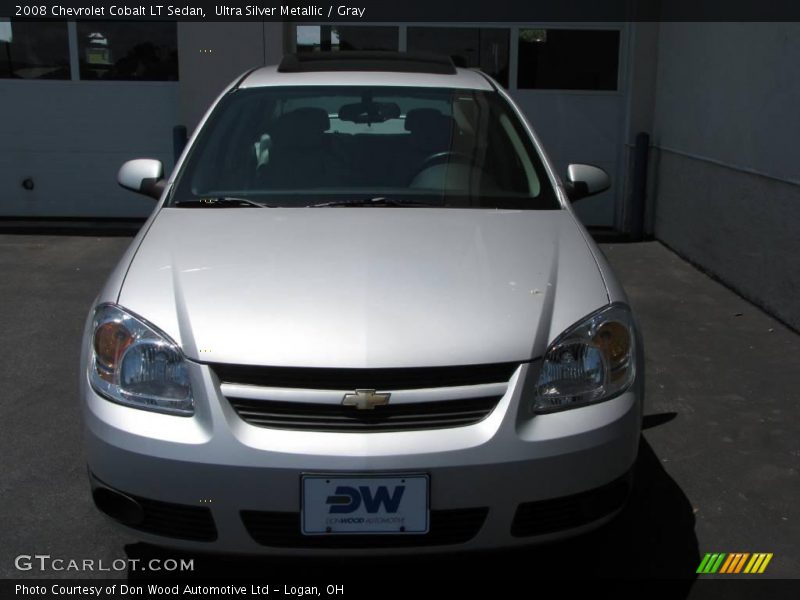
(718,469)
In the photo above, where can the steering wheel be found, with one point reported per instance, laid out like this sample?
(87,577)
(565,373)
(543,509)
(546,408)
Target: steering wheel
(445,156)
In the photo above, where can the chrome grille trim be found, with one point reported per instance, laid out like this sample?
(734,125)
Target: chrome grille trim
(337,417)
(251,392)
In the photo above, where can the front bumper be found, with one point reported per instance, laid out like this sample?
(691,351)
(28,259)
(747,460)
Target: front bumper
(212,482)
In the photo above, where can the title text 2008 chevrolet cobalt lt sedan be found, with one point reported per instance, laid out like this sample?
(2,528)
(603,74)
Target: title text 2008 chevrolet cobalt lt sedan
(362,315)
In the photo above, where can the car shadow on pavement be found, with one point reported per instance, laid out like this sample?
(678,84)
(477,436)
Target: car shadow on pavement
(652,538)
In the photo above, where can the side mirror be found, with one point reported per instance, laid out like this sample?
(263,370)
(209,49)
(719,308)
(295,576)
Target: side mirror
(143,175)
(585,180)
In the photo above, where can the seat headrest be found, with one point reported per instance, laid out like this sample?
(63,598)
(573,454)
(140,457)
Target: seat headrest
(425,119)
(303,125)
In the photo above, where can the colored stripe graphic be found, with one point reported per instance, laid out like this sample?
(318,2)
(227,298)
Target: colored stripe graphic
(758,563)
(734,563)
(717,563)
(710,563)
(741,562)
(703,564)
(727,564)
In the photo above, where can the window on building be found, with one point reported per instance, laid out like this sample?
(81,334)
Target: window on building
(34,50)
(568,59)
(315,38)
(128,51)
(484,47)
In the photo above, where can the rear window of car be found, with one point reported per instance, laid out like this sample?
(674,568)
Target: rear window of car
(300,146)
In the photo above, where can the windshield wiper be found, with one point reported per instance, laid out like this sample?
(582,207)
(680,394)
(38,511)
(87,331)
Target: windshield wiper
(377,201)
(220,202)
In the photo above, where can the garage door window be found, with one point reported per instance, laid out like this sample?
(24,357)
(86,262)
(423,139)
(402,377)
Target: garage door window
(568,59)
(128,51)
(34,50)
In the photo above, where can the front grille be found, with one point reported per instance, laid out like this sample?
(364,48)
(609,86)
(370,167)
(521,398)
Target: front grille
(557,514)
(376,379)
(337,417)
(282,530)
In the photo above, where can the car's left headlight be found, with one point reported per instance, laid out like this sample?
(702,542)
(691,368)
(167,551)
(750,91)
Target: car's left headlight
(592,361)
(134,364)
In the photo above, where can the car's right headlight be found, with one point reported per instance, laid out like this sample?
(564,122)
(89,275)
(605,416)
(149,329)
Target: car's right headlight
(134,364)
(592,361)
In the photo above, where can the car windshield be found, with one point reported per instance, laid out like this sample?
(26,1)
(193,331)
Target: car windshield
(364,145)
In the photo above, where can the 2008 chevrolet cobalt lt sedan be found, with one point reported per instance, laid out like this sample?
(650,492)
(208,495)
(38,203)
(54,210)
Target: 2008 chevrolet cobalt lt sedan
(363,315)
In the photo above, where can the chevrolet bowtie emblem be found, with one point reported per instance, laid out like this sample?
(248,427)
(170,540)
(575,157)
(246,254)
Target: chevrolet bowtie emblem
(365,399)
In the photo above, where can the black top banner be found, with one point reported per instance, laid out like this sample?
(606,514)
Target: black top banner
(383,11)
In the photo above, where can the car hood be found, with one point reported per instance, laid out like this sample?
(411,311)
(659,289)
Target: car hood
(362,287)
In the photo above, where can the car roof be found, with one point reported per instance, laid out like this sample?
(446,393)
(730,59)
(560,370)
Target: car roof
(461,79)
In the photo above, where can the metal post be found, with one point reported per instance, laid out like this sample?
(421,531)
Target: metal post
(639,186)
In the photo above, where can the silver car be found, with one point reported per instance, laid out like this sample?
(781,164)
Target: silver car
(362,316)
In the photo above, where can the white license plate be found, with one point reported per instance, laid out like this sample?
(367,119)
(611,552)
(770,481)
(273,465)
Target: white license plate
(364,505)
